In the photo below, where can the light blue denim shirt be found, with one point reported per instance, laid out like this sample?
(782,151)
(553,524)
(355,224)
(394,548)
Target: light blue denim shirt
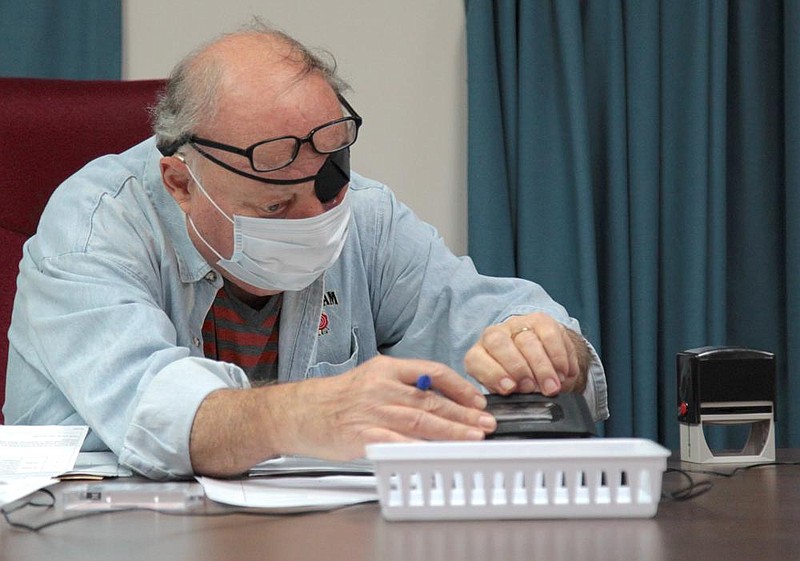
(112,294)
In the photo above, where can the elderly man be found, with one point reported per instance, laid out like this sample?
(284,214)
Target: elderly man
(229,291)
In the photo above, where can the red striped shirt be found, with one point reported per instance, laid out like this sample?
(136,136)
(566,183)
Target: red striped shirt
(234,332)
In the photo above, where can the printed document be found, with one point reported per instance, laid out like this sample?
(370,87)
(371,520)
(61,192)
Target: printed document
(32,456)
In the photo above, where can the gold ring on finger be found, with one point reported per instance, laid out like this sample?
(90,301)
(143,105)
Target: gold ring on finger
(518,331)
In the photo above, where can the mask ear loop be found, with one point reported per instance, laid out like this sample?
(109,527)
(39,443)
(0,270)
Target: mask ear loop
(189,218)
(202,239)
(200,186)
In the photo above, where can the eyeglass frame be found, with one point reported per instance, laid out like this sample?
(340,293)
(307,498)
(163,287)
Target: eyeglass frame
(195,140)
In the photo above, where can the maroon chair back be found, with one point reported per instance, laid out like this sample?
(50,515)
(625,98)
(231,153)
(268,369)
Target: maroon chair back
(48,130)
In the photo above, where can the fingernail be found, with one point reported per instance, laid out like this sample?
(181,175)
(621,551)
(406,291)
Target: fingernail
(527,385)
(488,422)
(507,384)
(550,386)
(474,434)
(480,402)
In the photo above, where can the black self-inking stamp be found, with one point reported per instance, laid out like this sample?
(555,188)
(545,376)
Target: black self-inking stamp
(726,386)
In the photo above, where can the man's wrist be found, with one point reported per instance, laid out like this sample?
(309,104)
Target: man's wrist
(584,356)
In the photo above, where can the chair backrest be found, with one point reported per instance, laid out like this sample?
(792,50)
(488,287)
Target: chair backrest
(48,130)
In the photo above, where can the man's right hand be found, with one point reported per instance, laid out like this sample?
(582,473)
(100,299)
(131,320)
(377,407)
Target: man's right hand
(336,417)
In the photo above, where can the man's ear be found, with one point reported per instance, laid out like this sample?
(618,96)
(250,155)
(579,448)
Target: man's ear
(175,177)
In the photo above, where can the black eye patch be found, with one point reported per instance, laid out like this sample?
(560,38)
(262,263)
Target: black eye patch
(333,175)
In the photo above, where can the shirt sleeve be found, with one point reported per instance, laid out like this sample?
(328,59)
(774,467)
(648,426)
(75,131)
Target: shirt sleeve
(108,347)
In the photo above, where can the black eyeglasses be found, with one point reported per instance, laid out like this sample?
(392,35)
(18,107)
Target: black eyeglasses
(277,153)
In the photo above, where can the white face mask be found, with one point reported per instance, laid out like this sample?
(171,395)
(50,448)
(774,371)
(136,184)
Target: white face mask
(282,254)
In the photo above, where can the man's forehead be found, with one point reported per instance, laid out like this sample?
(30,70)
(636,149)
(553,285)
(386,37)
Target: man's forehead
(261,59)
(254,113)
(249,49)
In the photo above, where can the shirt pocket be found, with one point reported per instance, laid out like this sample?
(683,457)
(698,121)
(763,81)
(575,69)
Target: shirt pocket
(324,369)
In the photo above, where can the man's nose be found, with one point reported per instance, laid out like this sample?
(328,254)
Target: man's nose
(306,205)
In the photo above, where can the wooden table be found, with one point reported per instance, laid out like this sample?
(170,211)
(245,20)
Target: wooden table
(753,515)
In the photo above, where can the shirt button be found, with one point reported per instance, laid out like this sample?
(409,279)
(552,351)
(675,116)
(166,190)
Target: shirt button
(196,341)
(211,276)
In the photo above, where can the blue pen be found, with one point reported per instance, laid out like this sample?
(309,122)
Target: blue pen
(424,382)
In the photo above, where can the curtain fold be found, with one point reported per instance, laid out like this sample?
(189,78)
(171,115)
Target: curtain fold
(79,39)
(790,383)
(639,159)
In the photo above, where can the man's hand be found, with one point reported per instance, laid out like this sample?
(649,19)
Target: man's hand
(378,402)
(532,353)
(336,417)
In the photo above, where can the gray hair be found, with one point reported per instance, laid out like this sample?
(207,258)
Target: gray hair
(191,92)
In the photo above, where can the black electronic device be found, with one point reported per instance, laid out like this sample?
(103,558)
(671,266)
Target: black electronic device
(535,415)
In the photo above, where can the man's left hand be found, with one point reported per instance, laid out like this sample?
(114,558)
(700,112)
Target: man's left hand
(531,353)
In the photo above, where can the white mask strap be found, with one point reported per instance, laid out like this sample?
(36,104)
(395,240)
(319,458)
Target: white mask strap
(200,185)
(199,235)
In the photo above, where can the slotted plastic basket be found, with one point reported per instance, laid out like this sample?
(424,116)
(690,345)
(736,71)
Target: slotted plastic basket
(549,478)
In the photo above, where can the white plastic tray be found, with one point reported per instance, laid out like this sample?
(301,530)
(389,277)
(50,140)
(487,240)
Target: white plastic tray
(549,478)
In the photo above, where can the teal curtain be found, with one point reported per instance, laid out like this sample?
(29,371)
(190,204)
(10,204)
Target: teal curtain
(79,39)
(641,160)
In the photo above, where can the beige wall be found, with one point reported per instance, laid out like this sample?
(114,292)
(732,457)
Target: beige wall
(406,62)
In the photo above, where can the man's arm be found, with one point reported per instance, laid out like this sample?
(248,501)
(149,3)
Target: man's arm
(584,356)
(442,307)
(335,417)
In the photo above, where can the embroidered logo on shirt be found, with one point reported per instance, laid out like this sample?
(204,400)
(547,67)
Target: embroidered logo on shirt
(323,324)
(329,299)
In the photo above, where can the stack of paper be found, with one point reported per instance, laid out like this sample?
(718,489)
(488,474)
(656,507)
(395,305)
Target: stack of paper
(31,457)
(96,465)
(297,484)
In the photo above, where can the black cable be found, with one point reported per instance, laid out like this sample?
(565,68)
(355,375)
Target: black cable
(32,502)
(695,489)
(691,491)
